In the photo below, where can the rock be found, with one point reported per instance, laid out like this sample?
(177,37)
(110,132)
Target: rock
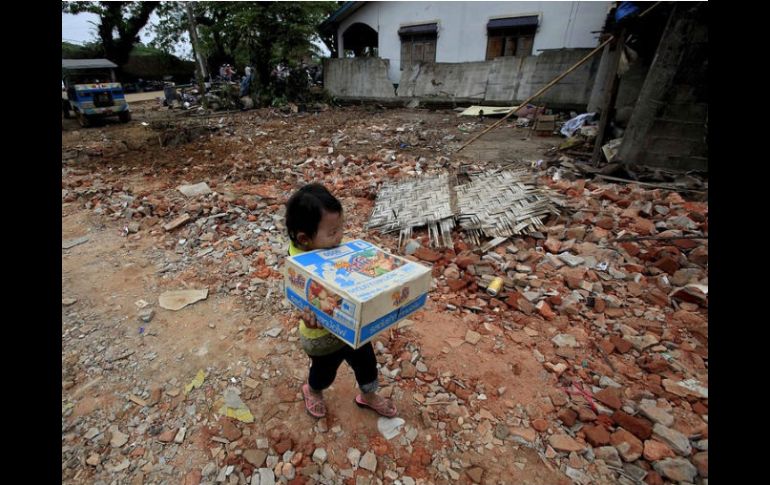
(255,457)
(176,300)
(368,462)
(566,443)
(568,416)
(676,440)
(408,370)
(571,260)
(118,439)
(179,438)
(676,469)
(274,332)
(545,310)
(288,471)
(643,342)
(557,369)
(472,337)
(354,456)
(452,272)
(639,427)
(421,367)
(390,427)
(68,301)
(596,435)
(266,476)
(628,445)
(319,456)
(609,455)
(119,467)
(654,478)
(475,474)
(655,450)
(607,382)
(146,315)
(195,190)
(552,245)
(564,340)
(701,462)
(650,409)
(94,459)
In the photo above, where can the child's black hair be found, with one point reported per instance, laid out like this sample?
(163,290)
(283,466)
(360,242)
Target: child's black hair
(305,209)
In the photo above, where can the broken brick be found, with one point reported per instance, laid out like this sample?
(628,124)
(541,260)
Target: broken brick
(596,435)
(609,397)
(426,254)
(640,427)
(567,416)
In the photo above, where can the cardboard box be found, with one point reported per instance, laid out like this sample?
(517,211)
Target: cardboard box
(356,290)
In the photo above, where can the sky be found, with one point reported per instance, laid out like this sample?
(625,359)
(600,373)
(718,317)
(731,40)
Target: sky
(80,28)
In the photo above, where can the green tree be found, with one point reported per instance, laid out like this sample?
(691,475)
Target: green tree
(260,34)
(119,24)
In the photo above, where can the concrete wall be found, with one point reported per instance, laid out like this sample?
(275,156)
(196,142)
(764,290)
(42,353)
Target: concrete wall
(501,81)
(364,77)
(462,26)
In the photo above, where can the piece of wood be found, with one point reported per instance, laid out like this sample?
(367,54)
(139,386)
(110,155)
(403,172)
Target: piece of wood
(672,188)
(541,91)
(610,93)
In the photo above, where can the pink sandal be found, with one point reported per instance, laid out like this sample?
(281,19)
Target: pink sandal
(385,408)
(313,405)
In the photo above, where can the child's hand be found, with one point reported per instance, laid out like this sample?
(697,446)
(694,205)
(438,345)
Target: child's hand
(309,318)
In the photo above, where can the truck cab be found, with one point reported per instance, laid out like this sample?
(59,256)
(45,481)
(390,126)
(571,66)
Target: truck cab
(91,91)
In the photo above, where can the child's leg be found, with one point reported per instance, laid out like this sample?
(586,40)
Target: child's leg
(364,365)
(323,370)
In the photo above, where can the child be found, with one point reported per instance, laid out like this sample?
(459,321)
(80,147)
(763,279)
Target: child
(314,221)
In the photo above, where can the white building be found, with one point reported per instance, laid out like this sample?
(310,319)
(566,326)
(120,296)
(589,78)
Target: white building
(454,32)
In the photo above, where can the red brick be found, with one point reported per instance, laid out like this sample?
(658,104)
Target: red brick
(635,445)
(700,408)
(540,425)
(552,245)
(607,346)
(631,248)
(600,305)
(283,446)
(701,462)
(656,296)
(643,226)
(655,450)
(586,415)
(639,427)
(596,435)
(667,264)
(545,310)
(456,285)
(621,345)
(567,416)
(465,260)
(610,195)
(606,223)
(426,254)
(609,397)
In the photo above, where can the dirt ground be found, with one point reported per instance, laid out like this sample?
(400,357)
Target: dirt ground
(122,376)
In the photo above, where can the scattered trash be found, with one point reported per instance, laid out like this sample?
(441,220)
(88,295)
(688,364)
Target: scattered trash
(610,150)
(196,382)
(234,407)
(390,427)
(178,299)
(571,126)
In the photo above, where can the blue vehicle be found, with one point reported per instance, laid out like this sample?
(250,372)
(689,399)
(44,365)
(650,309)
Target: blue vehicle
(91,91)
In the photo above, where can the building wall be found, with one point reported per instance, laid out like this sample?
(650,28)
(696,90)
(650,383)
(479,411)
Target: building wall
(462,26)
(505,80)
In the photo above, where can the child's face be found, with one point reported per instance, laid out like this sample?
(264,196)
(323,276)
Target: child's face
(329,233)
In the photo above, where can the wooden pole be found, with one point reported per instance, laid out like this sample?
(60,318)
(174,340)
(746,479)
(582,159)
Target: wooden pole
(541,91)
(610,90)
